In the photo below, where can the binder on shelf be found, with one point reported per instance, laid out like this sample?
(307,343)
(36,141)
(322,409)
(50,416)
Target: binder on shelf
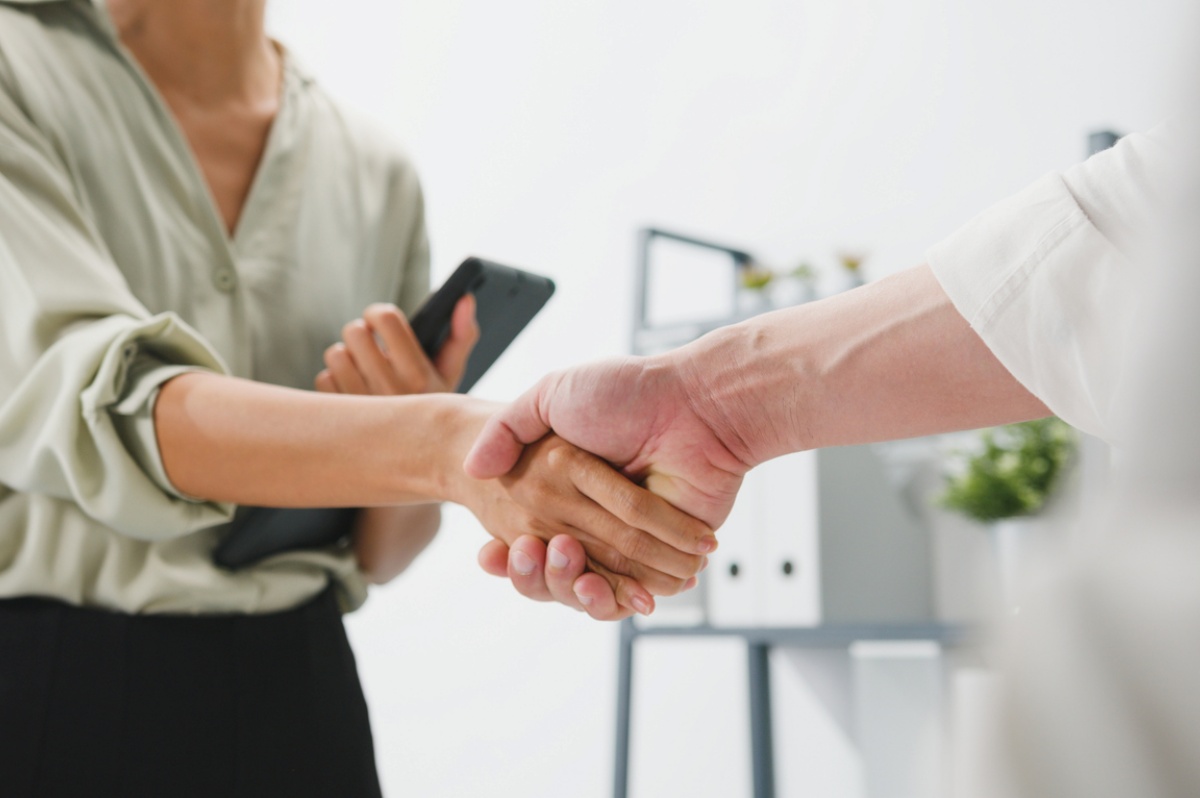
(790,530)
(818,538)
(733,579)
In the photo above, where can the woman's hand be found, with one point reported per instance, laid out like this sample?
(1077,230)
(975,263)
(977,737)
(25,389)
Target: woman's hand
(636,543)
(379,355)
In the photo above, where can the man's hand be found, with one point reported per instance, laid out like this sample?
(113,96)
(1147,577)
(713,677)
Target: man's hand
(636,413)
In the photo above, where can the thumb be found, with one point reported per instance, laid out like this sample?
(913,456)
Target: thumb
(507,433)
(451,361)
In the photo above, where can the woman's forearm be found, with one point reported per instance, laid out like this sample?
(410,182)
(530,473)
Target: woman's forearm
(232,440)
(890,360)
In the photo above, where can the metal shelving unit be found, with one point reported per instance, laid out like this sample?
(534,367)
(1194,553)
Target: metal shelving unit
(759,642)
(647,339)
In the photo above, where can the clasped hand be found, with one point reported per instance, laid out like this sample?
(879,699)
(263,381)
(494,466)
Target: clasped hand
(619,542)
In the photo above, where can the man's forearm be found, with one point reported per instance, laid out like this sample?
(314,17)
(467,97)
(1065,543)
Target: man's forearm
(893,359)
(226,439)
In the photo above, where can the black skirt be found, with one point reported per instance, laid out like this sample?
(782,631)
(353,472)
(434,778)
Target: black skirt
(94,703)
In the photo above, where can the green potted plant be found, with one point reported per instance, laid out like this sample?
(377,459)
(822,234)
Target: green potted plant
(1007,480)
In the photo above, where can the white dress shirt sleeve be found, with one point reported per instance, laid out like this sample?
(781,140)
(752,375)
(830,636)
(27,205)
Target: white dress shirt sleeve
(1048,280)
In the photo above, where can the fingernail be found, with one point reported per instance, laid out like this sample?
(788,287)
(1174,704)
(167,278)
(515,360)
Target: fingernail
(522,563)
(641,605)
(707,544)
(557,559)
(583,599)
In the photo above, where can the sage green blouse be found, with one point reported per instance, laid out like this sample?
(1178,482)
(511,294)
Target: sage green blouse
(116,274)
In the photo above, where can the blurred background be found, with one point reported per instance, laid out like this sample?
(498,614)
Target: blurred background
(547,134)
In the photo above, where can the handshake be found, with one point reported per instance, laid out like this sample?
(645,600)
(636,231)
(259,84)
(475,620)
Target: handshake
(601,486)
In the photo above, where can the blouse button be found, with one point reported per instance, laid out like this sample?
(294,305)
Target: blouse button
(225,280)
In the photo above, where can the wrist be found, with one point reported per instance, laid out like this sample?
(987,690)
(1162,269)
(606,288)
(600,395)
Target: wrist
(451,427)
(743,383)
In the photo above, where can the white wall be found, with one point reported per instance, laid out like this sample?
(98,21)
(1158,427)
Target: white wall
(547,132)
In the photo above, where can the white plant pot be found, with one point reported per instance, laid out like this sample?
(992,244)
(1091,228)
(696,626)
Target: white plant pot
(1013,541)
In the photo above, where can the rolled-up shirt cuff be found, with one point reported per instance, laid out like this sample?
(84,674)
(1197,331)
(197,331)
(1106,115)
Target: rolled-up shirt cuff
(1049,295)
(133,418)
(991,258)
(125,389)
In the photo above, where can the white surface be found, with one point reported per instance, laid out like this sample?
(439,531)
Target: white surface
(547,132)
(975,709)
(815,750)
(899,704)
(707,741)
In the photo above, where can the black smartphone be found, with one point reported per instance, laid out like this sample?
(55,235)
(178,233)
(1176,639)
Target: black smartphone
(506,300)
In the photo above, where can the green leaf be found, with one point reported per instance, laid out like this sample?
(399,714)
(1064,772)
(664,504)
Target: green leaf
(1014,473)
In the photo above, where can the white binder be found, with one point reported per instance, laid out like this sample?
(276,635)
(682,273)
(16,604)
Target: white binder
(817,538)
(790,532)
(734,578)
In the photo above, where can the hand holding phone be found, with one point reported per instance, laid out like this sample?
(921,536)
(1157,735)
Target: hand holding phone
(506,299)
(380,355)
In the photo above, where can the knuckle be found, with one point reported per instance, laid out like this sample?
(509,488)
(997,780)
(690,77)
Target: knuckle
(384,316)
(605,561)
(637,501)
(693,564)
(557,457)
(636,545)
(619,563)
(542,492)
(668,585)
(539,527)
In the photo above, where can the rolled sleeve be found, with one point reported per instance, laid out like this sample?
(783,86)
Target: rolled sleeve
(1047,278)
(158,351)
(79,425)
(81,360)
